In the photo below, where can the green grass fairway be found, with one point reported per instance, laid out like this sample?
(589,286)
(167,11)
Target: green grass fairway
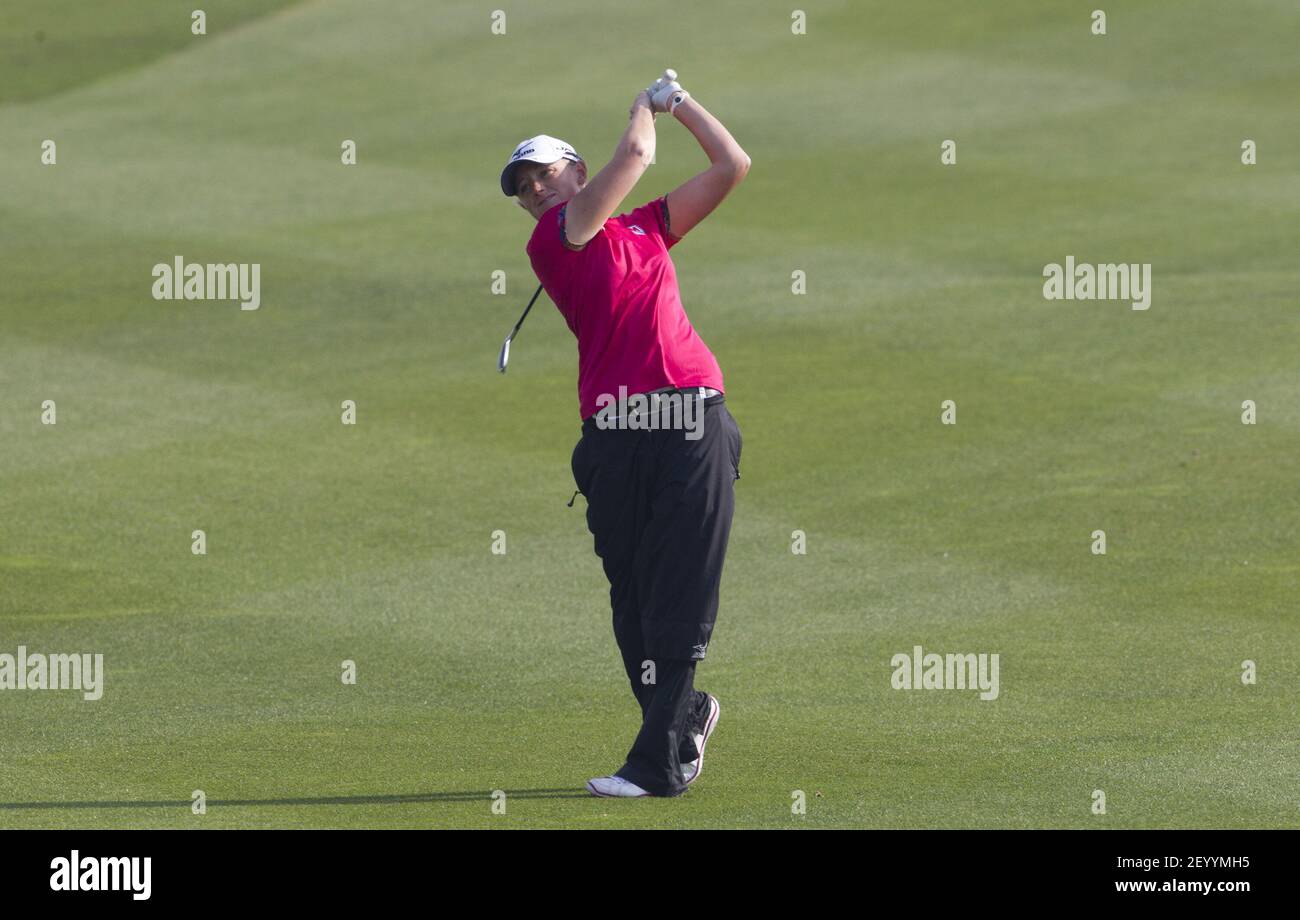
(372,543)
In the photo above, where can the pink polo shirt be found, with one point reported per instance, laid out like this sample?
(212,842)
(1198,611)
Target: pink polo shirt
(619,296)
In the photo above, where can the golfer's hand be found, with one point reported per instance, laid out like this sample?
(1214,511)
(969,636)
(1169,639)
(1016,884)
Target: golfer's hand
(666,93)
(642,101)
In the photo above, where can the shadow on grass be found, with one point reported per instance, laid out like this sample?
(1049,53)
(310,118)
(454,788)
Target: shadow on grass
(321,800)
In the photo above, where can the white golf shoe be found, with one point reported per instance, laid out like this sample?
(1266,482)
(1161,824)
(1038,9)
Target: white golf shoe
(692,770)
(614,787)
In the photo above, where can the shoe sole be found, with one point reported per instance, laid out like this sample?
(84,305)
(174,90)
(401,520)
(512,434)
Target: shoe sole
(602,795)
(715,710)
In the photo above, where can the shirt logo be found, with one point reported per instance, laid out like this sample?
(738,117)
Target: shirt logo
(637,230)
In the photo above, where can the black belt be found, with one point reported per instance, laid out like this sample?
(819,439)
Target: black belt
(704,393)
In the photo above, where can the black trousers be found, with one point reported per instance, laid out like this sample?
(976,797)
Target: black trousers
(659,506)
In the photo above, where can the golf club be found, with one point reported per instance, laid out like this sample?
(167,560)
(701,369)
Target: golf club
(504,357)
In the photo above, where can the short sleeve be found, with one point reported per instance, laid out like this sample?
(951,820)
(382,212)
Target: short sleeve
(668,239)
(657,212)
(553,261)
(564,239)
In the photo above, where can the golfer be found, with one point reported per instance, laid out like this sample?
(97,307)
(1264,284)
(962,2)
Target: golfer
(659,484)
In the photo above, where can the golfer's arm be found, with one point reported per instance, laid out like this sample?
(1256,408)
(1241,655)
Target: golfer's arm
(696,198)
(593,205)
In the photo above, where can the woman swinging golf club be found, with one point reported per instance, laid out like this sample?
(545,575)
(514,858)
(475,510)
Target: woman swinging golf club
(659,499)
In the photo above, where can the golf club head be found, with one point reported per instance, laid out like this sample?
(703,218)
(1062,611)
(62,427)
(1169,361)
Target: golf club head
(504,357)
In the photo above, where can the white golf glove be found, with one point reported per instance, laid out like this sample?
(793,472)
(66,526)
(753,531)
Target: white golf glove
(666,94)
